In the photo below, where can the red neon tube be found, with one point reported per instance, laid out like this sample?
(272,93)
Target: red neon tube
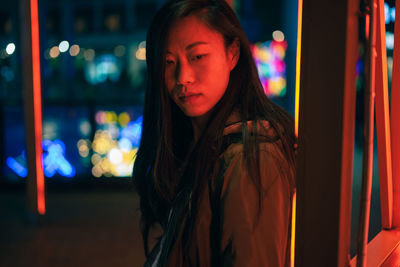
(37,106)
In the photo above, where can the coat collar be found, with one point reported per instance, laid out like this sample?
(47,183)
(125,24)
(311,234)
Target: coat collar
(234,125)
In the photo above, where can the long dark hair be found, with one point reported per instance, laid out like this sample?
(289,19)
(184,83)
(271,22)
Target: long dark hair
(167,132)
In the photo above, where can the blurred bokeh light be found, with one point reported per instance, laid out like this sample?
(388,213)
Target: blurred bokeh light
(270,61)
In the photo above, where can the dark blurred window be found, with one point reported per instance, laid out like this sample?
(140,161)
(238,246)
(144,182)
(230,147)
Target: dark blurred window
(6,26)
(83,23)
(144,14)
(53,22)
(113,19)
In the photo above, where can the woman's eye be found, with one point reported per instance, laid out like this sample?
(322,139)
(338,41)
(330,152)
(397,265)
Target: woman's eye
(198,57)
(169,62)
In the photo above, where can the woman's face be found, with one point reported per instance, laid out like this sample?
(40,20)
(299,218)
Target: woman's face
(198,66)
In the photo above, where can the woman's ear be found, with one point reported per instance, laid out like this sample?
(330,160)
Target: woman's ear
(234,53)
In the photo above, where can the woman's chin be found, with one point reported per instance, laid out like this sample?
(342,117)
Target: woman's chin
(194,113)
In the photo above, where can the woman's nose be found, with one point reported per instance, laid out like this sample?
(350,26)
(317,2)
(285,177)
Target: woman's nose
(185,74)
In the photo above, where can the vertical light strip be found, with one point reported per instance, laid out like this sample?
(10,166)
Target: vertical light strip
(395,119)
(298,57)
(37,106)
(296,121)
(367,22)
(383,121)
(292,245)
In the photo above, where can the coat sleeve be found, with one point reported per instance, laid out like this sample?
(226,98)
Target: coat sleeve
(253,236)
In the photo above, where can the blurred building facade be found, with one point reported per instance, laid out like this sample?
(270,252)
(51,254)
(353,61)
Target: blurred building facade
(94,76)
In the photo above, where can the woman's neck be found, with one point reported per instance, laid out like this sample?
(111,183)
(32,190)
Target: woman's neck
(198,124)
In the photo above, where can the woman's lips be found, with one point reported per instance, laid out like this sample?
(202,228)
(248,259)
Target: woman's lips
(189,98)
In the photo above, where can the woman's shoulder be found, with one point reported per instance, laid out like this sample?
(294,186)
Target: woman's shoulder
(273,165)
(268,140)
(261,126)
(268,150)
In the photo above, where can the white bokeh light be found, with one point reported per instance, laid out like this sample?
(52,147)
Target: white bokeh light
(10,48)
(115,156)
(63,46)
(278,36)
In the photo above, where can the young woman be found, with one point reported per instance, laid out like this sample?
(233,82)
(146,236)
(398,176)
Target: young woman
(215,167)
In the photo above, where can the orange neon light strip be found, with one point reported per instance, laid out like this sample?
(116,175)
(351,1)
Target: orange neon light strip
(292,245)
(367,22)
(383,121)
(296,122)
(37,106)
(298,56)
(395,119)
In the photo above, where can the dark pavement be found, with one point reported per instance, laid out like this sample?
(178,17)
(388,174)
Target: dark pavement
(89,228)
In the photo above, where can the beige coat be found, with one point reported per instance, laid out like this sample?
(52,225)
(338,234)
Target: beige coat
(244,242)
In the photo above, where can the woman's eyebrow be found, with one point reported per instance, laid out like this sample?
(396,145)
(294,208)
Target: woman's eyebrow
(194,44)
(189,46)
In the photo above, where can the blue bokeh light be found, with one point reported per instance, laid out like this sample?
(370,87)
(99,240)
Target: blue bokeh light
(54,161)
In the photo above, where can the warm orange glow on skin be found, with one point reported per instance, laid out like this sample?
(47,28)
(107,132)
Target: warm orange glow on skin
(37,105)
(296,122)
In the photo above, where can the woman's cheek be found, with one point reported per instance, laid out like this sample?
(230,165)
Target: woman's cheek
(202,71)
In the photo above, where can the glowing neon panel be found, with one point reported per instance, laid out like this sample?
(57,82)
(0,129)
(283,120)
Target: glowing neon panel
(54,161)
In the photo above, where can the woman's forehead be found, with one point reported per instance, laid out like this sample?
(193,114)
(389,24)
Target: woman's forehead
(190,31)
